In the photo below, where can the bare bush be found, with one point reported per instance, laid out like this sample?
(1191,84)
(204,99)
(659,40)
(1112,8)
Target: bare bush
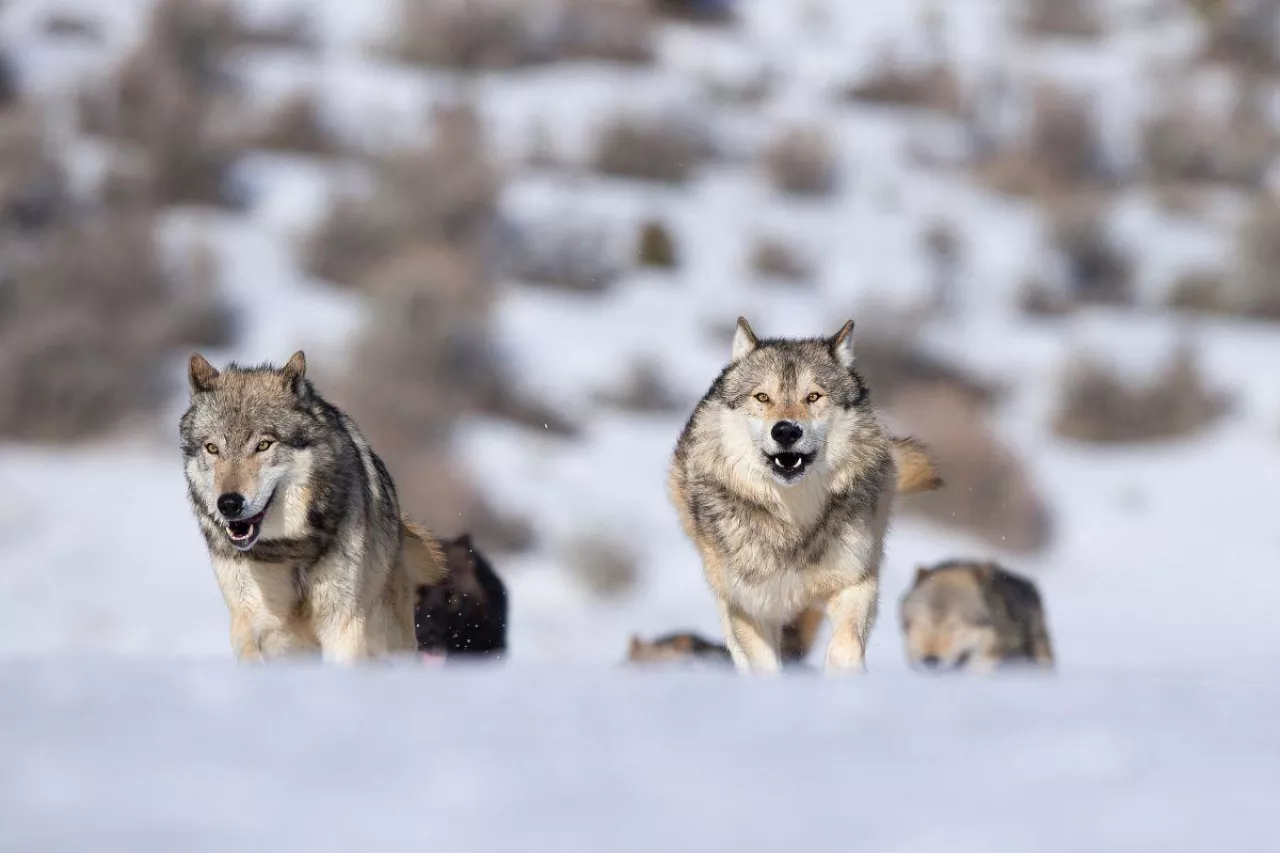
(1201,290)
(697,11)
(603,567)
(1097,270)
(657,247)
(1060,149)
(88,321)
(774,260)
(989,493)
(643,391)
(296,125)
(68,25)
(442,193)
(663,150)
(170,101)
(1097,405)
(891,83)
(802,161)
(33,190)
(476,35)
(1256,290)
(1036,298)
(1243,34)
(1183,145)
(1077,19)
(572,256)
(896,366)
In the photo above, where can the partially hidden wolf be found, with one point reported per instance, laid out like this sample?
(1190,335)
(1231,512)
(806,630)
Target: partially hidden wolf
(300,517)
(687,647)
(974,616)
(465,614)
(784,479)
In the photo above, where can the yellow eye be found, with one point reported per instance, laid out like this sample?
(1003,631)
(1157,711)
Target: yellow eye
(762,397)
(815,397)
(264,444)
(211,449)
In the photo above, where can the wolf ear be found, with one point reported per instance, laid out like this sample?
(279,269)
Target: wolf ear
(921,573)
(294,373)
(200,373)
(842,345)
(634,647)
(744,340)
(464,541)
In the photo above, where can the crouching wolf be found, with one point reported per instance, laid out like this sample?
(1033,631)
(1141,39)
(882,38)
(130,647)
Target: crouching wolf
(300,517)
(784,479)
(973,616)
(465,615)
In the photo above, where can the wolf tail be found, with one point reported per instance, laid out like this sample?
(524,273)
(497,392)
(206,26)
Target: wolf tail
(423,555)
(917,471)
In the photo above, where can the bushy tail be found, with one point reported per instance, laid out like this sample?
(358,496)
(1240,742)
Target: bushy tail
(423,555)
(916,469)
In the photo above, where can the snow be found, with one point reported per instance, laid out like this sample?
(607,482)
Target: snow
(203,757)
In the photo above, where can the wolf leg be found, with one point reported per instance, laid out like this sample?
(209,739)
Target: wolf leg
(753,647)
(852,612)
(244,640)
(344,640)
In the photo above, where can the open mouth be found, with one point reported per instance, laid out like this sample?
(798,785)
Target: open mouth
(789,466)
(244,533)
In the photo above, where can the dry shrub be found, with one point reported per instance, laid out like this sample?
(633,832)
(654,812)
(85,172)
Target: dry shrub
(297,126)
(696,11)
(1036,298)
(648,148)
(33,190)
(89,320)
(896,366)
(774,260)
(61,24)
(1256,289)
(1060,149)
(171,101)
(1201,290)
(1097,270)
(478,35)
(1182,145)
(1099,406)
(294,30)
(802,161)
(603,567)
(892,83)
(572,256)
(988,493)
(657,247)
(644,391)
(1242,33)
(1076,19)
(442,193)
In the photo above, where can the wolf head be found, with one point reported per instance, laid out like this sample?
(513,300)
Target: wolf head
(676,648)
(789,406)
(949,621)
(245,438)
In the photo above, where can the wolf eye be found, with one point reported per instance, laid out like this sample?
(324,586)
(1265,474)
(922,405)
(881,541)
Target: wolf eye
(263,445)
(762,397)
(211,449)
(815,397)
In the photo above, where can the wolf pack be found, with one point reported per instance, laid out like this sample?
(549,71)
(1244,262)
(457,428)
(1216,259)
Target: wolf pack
(783,478)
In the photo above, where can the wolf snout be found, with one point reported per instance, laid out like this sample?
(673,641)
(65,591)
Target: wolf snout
(231,505)
(931,661)
(786,433)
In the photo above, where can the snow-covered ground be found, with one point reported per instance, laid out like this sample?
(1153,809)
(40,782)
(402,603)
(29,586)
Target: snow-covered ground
(124,758)
(123,727)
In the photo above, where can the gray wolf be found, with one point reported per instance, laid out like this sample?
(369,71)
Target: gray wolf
(689,647)
(784,479)
(974,616)
(300,517)
(465,615)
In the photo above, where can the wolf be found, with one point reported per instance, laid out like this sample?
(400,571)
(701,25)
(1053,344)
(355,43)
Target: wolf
(465,615)
(689,647)
(300,517)
(784,479)
(975,616)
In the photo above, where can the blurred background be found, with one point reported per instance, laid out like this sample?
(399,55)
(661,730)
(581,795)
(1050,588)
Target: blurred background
(513,236)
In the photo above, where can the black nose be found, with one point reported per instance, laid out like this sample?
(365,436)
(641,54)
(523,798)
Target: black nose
(231,504)
(931,661)
(786,433)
